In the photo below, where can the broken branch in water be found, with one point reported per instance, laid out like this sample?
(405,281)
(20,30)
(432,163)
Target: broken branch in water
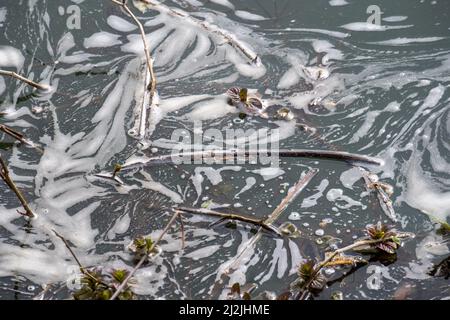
(192,156)
(18,136)
(145,257)
(4,174)
(23,79)
(291,195)
(227,37)
(149,98)
(230,216)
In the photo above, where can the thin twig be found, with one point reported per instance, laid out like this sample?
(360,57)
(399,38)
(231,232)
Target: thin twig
(4,174)
(18,136)
(149,99)
(231,216)
(226,36)
(23,79)
(148,57)
(144,257)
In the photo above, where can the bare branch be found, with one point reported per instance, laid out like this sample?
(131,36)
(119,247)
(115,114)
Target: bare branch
(23,79)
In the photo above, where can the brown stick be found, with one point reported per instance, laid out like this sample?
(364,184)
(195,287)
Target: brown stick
(144,257)
(230,216)
(23,79)
(4,174)
(18,136)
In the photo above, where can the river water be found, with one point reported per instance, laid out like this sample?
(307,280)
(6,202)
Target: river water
(381,83)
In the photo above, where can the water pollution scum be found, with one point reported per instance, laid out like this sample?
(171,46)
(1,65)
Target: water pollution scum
(230,310)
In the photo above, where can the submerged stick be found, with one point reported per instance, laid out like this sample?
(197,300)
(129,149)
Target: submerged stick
(18,136)
(291,195)
(144,257)
(228,38)
(231,216)
(4,174)
(23,79)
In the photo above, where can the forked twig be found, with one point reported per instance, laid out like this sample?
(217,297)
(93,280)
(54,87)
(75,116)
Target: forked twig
(4,174)
(23,79)
(145,256)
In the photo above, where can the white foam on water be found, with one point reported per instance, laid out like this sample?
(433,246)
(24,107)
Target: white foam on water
(335,3)
(248,15)
(120,24)
(224,3)
(404,41)
(394,18)
(312,200)
(366,26)
(336,194)
(249,183)
(11,57)
(102,40)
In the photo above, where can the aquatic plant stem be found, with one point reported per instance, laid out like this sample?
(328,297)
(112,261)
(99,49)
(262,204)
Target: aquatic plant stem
(145,257)
(4,174)
(23,79)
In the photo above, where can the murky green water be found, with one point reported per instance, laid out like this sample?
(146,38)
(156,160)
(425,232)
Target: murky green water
(382,91)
